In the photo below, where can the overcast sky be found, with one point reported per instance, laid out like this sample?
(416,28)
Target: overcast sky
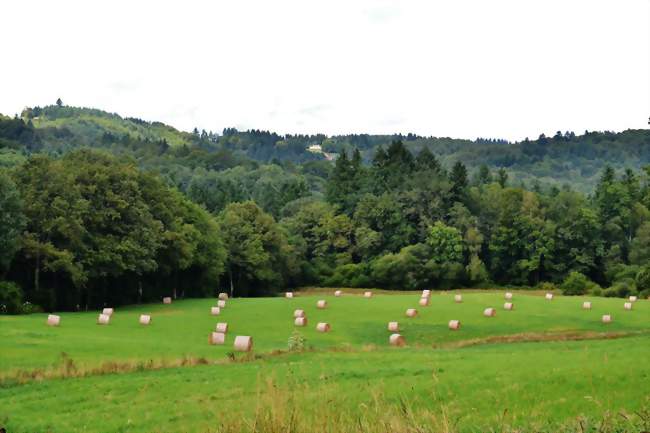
(464,68)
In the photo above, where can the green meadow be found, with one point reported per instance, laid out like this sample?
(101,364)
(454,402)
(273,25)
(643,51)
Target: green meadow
(545,366)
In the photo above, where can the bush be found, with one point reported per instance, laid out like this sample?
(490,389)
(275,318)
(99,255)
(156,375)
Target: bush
(596,290)
(297,342)
(575,284)
(621,289)
(547,286)
(11,298)
(350,275)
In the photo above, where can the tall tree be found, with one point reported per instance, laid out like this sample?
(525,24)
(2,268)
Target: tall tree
(12,220)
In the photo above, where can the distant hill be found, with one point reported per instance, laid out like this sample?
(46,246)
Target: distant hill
(565,158)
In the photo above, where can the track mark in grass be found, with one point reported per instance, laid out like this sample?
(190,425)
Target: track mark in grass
(538,337)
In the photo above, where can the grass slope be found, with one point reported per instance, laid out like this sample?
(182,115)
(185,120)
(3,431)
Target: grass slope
(359,384)
(93,123)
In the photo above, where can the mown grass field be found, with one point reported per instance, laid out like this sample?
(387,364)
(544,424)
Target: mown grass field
(484,377)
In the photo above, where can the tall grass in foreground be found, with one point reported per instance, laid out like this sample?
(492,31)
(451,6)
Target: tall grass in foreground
(280,409)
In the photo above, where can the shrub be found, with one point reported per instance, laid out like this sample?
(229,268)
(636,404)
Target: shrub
(547,286)
(350,275)
(596,290)
(621,289)
(11,298)
(575,284)
(297,342)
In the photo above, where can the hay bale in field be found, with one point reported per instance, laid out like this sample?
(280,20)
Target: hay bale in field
(167,300)
(424,301)
(215,311)
(321,304)
(223,296)
(103,319)
(216,338)
(458,299)
(221,303)
(633,299)
(393,326)
(53,320)
(411,312)
(145,319)
(586,305)
(607,318)
(300,321)
(508,306)
(426,293)
(367,294)
(298,313)
(323,327)
(108,311)
(627,305)
(508,296)
(490,312)
(243,343)
(221,327)
(288,295)
(454,325)
(549,296)
(397,340)
(338,293)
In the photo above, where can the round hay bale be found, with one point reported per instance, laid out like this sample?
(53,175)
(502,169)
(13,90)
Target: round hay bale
(223,296)
(53,320)
(633,299)
(549,296)
(426,293)
(458,299)
(145,319)
(323,327)
(167,300)
(490,312)
(299,313)
(300,321)
(586,305)
(393,326)
(221,327)
(367,294)
(103,319)
(454,325)
(221,303)
(243,343)
(607,318)
(508,306)
(411,312)
(397,340)
(424,302)
(627,306)
(508,296)
(217,338)
(338,293)
(215,311)
(321,304)
(108,311)
(288,295)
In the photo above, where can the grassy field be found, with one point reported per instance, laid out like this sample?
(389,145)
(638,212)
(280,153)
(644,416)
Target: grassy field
(81,377)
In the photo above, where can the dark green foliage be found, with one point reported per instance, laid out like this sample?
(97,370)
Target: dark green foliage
(11,298)
(12,220)
(575,284)
(159,211)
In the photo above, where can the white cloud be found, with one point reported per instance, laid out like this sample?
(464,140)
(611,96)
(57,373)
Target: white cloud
(465,68)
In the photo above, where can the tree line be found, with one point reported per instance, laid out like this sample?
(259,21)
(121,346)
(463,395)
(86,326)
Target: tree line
(132,218)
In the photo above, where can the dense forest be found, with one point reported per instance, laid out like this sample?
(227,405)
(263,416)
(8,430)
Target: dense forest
(96,209)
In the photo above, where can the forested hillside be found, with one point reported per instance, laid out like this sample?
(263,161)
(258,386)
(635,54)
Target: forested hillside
(98,209)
